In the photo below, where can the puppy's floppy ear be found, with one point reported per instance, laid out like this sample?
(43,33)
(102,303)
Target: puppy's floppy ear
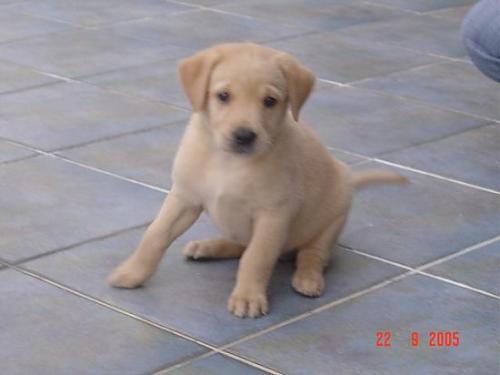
(194,73)
(300,82)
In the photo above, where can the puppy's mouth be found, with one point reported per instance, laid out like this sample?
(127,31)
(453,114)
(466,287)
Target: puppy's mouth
(242,149)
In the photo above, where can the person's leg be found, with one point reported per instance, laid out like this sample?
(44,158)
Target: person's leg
(481,37)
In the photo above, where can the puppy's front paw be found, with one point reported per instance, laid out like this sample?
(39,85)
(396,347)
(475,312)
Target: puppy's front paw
(310,284)
(247,304)
(128,275)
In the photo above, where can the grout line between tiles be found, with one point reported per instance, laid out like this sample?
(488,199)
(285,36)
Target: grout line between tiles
(248,362)
(100,25)
(459,284)
(301,31)
(416,100)
(350,153)
(117,309)
(28,37)
(10,3)
(157,188)
(450,59)
(81,80)
(420,269)
(137,97)
(361,162)
(382,161)
(118,136)
(203,7)
(335,83)
(103,171)
(104,26)
(415,170)
(180,364)
(413,69)
(57,76)
(319,309)
(434,175)
(410,271)
(229,13)
(80,243)
(420,272)
(425,52)
(376,257)
(287,37)
(33,87)
(222,349)
(438,139)
(49,19)
(86,166)
(458,253)
(83,77)
(240,358)
(217,350)
(19,159)
(342,32)
(410,11)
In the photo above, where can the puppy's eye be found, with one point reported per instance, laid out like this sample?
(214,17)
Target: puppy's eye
(269,101)
(223,96)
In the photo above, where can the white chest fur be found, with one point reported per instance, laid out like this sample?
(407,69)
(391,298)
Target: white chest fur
(227,192)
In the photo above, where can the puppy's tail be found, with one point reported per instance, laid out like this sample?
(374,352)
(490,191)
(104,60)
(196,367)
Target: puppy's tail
(369,177)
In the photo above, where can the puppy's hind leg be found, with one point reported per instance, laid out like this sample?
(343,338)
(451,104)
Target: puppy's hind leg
(312,259)
(212,249)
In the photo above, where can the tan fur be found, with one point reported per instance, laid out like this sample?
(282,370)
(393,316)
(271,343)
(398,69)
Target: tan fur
(365,178)
(286,194)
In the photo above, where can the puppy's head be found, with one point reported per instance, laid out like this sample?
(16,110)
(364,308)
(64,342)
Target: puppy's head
(244,91)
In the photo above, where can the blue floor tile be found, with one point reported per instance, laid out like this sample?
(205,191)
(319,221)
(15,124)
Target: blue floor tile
(347,58)
(424,5)
(16,77)
(146,156)
(343,339)
(95,13)
(478,268)
(423,221)
(215,365)
(325,15)
(468,157)
(371,123)
(48,331)
(211,28)
(69,114)
(17,26)
(85,52)
(54,204)
(453,85)
(426,34)
(9,152)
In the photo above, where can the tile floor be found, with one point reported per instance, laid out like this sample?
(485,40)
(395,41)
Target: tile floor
(90,118)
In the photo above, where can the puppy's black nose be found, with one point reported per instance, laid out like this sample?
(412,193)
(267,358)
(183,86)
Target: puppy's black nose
(244,136)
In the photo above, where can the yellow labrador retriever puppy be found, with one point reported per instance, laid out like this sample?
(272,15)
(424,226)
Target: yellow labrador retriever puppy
(262,176)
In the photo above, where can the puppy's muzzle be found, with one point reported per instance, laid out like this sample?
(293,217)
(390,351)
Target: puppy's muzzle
(243,140)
